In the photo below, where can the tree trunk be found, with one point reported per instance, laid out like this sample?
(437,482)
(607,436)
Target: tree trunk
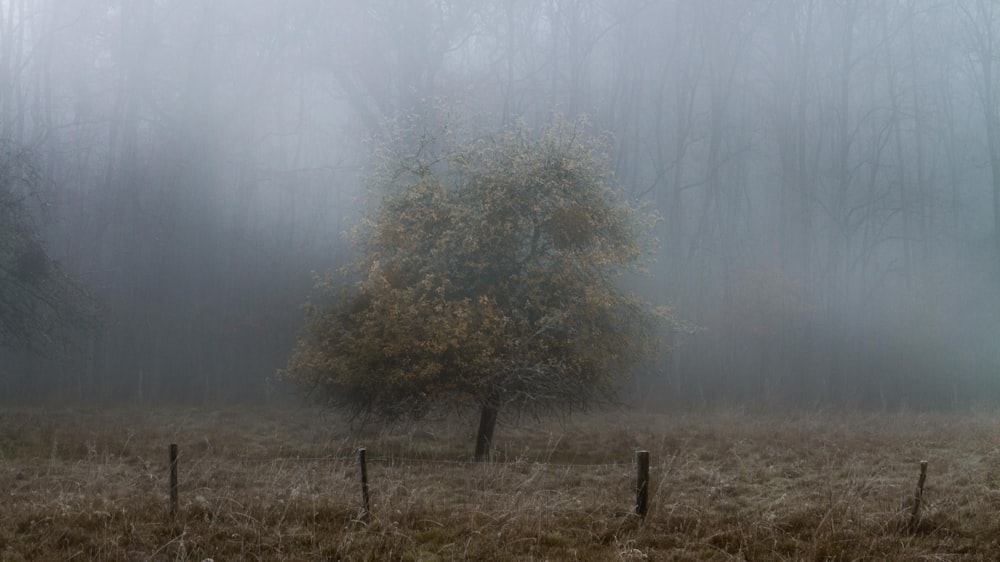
(484,437)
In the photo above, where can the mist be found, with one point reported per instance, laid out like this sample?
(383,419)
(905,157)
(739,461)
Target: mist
(826,173)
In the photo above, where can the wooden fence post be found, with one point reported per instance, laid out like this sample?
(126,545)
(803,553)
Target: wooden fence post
(642,483)
(915,514)
(173,480)
(366,505)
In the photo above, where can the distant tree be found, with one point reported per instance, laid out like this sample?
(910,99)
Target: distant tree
(489,279)
(37,299)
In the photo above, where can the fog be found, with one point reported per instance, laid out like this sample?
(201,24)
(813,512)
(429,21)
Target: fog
(827,173)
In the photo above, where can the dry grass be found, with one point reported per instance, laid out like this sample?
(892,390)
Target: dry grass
(726,486)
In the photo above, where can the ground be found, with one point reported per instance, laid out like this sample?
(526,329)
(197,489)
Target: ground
(285,485)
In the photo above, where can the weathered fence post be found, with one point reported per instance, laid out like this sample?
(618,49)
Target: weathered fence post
(366,505)
(915,514)
(642,483)
(173,480)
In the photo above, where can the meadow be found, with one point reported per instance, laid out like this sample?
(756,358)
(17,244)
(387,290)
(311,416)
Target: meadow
(282,484)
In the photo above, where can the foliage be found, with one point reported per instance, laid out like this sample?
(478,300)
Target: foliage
(489,277)
(37,299)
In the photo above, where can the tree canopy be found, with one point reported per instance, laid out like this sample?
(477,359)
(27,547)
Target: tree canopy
(37,299)
(489,277)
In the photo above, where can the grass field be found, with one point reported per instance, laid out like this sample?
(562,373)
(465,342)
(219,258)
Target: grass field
(285,485)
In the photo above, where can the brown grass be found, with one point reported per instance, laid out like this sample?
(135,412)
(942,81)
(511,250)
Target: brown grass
(279,485)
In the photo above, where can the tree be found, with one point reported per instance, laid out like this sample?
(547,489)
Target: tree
(980,25)
(37,299)
(488,279)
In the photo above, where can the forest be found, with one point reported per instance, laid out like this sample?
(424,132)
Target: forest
(825,173)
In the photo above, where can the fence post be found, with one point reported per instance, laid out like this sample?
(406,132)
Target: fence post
(915,514)
(173,480)
(366,505)
(642,483)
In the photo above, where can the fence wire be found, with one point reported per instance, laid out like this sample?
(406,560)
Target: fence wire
(392,460)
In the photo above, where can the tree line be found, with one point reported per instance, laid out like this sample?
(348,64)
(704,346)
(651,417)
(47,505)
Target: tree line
(827,174)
